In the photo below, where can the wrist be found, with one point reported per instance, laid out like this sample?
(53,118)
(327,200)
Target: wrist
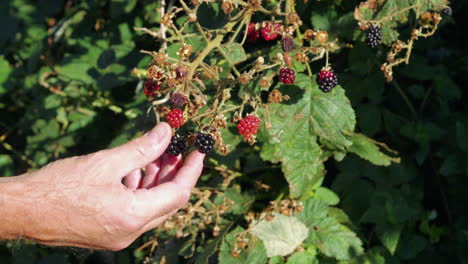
(12,208)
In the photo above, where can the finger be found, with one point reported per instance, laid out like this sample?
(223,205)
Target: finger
(151,174)
(169,167)
(174,194)
(133,180)
(139,152)
(187,176)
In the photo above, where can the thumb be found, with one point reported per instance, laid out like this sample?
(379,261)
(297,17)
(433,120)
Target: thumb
(139,152)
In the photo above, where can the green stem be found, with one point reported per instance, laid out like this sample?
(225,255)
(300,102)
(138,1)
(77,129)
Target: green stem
(406,99)
(209,47)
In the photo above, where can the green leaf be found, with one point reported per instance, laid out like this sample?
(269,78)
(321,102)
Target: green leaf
(5,71)
(327,196)
(389,235)
(305,257)
(255,253)
(242,201)
(313,210)
(411,245)
(332,117)
(292,138)
(6,166)
(282,235)
(291,141)
(234,52)
(334,239)
(365,148)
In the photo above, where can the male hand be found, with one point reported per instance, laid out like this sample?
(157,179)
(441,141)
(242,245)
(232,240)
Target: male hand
(101,200)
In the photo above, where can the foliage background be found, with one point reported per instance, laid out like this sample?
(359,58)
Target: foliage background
(101,105)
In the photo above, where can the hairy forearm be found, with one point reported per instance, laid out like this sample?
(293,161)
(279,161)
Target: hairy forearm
(15,208)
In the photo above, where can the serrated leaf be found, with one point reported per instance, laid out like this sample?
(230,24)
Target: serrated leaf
(389,235)
(234,52)
(292,138)
(327,196)
(332,117)
(313,210)
(365,148)
(255,253)
(334,239)
(282,235)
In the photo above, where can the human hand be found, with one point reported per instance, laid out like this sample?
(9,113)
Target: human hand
(81,201)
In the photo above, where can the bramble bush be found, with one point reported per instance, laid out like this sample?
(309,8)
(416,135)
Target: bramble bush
(335,130)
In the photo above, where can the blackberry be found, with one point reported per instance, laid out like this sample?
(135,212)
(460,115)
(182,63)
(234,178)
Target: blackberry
(287,43)
(447,11)
(252,33)
(248,126)
(287,76)
(176,146)
(178,100)
(204,142)
(270,31)
(374,36)
(327,80)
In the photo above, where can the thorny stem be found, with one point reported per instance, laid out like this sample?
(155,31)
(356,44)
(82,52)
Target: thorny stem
(209,47)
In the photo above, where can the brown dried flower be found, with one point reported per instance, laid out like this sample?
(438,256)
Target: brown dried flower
(309,35)
(227,7)
(244,78)
(322,37)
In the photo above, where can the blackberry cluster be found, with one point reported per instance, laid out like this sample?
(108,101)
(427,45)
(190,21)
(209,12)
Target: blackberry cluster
(176,146)
(447,11)
(204,142)
(287,76)
(287,43)
(374,36)
(327,80)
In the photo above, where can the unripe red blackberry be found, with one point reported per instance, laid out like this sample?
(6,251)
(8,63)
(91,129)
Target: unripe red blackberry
(270,31)
(175,118)
(176,146)
(287,76)
(178,100)
(248,126)
(327,80)
(287,43)
(252,33)
(151,86)
(373,36)
(204,142)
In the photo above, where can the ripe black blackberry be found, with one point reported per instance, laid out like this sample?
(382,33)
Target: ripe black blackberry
(204,142)
(176,146)
(447,11)
(287,43)
(327,80)
(374,36)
